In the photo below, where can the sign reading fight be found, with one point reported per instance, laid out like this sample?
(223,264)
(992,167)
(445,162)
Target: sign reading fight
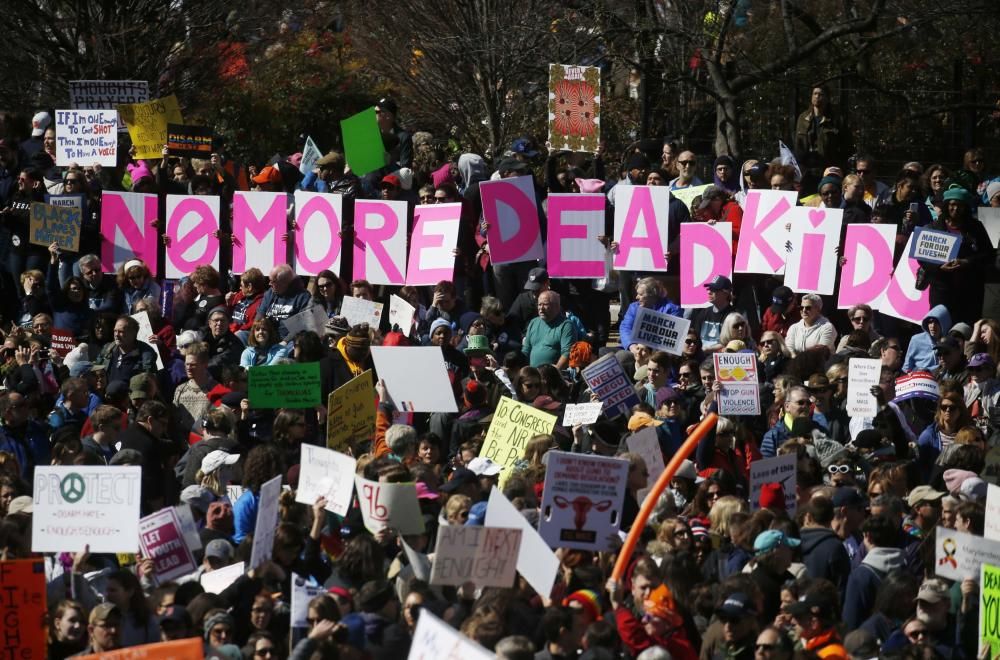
(740,394)
(83,505)
(513,424)
(660,331)
(930,246)
(86,137)
(55,224)
(486,556)
(582,500)
(23,629)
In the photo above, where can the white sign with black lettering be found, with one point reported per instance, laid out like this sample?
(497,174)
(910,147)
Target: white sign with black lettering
(485,556)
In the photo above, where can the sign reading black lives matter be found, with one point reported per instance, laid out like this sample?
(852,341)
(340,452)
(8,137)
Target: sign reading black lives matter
(81,505)
(660,331)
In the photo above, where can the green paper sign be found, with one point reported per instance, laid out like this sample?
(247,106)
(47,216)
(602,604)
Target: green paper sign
(285,386)
(363,146)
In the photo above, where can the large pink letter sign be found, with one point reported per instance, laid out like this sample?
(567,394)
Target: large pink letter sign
(868,268)
(575,222)
(901,298)
(706,251)
(511,214)
(435,235)
(259,220)
(763,236)
(192,222)
(811,266)
(317,240)
(380,241)
(641,216)
(126,229)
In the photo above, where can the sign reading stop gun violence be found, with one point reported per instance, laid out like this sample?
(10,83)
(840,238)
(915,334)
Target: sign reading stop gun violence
(512,426)
(83,505)
(740,394)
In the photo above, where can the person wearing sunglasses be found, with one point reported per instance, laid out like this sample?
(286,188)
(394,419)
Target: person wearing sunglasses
(952,366)
(798,405)
(686,164)
(951,416)
(773,644)
(831,418)
(813,329)
(816,615)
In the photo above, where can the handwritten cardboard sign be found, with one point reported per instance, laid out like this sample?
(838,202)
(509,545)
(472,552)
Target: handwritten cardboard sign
(581,413)
(285,385)
(161,539)
(780,469)
(660,331)
(83,505)
(862,375)
(513,424)
(147,124)
(607,380)
(267,522)
(50,224)
(107,95)
(359,310)
(351,412)
(189,141)
(486,556)
(958,555)
(22,608)
(328,473)
(86,137)
(434,639)
(582,500)
(389,505)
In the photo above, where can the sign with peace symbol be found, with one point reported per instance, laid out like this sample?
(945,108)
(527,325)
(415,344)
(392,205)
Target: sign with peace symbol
(72,487)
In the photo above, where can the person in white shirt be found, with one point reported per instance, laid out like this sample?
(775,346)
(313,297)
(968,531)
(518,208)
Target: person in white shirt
(813,330)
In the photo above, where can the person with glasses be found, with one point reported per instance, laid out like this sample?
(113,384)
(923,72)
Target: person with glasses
(264,645)
(798,405)
(136,282)
(707,321)
(772,354)
(830,192)
(951,416)
(816,617)
(687,163)
(736,327)
(831,418)
(244,303)
(103,629)
(773,644)
(327,291)
(864,168)
(861,317)
(813,329)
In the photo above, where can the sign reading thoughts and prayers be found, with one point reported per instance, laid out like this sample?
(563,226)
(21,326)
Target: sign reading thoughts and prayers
(107,95)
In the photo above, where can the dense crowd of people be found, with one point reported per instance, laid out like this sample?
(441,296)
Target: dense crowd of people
(718,573)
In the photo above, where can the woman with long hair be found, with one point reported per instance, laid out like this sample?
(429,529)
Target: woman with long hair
(529,384)
(327,291)
(985,339)
(139,625)
(264,345)
(772,354)
(935,181)
(290,431)
(735,327)
(67,629)
(263,463)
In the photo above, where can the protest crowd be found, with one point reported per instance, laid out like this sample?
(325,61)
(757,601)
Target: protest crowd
(272,460)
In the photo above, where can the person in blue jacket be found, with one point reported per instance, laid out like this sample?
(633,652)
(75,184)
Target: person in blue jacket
(649,293)
(920,354)
(286,297)
(263,463)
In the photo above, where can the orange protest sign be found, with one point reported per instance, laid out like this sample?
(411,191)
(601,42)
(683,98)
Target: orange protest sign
(182,649)
(22,608)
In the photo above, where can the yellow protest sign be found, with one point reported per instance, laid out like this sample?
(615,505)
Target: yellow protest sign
(147,124)
(688,194)
(512,426)
(351,412)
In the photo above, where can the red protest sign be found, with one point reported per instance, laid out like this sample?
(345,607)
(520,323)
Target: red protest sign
(162,540)
(22,609)
(63,341)
(181,649)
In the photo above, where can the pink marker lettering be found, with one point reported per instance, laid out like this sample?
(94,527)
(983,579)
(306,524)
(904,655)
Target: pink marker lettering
(509,210)
(435,234)
(641,206)
(370,241)
(755,223)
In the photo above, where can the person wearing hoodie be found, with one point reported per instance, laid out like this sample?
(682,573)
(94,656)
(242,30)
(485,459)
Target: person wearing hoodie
(920,353)
(823,551)
(881,537)
(286,297)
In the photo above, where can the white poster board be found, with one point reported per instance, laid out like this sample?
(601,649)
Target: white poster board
(86,137)
(486,556)
(313,318)
(780,469)
(535,560)
(812,262)
(958,555)
(582,501)
(416,378)
(992,528)
(434,639)
(146,331)
(303,590)
(267,522)
(645,443)
(660,331)
(215,582)
(737,374)
(402,314)
(581,413)
(359,310)
(389,505)
(862,375)
(81,505)
(328,473)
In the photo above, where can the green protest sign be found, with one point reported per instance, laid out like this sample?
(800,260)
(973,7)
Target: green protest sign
(285,386)
(989,610)
(363,146)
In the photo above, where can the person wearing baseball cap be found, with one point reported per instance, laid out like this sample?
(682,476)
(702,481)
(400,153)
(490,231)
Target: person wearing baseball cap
(707,321)
(815,614)
(925,510)
(738,616)
(525,306)
(782,313)
(103,629)
(268,179)
(773,551)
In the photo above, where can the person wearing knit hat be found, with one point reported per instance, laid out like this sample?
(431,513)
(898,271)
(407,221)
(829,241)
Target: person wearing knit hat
(830,192)
(354,353)
(772,496)
(992,196)
(219,627)
(586,600)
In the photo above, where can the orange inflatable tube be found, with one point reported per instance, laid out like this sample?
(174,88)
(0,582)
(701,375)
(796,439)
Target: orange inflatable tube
(654,495)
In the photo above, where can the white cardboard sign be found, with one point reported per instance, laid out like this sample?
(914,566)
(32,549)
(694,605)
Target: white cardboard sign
(581,413)
(434,639)
(416,378)
(660,331)
(359,310)
(958,555)
(389,505)
(267,522)
(535,561)
(780,469)
(486,556)
(862,375)
(325,472)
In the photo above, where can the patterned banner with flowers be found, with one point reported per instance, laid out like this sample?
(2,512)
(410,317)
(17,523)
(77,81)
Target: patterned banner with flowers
(574,107)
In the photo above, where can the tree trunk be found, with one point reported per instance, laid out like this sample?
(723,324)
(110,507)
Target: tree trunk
(727,130)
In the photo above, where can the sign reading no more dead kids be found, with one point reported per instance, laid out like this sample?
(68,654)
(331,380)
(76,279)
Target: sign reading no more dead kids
(582,500)
(485,556)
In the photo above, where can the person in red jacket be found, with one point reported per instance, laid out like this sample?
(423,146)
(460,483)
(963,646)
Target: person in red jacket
(660,625)
(718,206)
(783,312)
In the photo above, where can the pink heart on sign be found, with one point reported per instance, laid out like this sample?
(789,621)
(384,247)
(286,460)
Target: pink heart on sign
(816,217)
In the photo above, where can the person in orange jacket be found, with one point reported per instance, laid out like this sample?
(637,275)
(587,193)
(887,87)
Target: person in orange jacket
(661,625)
(815,615)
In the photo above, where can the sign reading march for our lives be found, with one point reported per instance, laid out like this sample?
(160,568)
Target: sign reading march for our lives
(930,246)
(83,505)
(513,424)
(161,539)
(326,473)
(486,556)
(48,224)
(737,374)
(660,331)
(582,501)
(284,385)
(958,555)
(781,470)
(107,95)
(607,380)
(86,137)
